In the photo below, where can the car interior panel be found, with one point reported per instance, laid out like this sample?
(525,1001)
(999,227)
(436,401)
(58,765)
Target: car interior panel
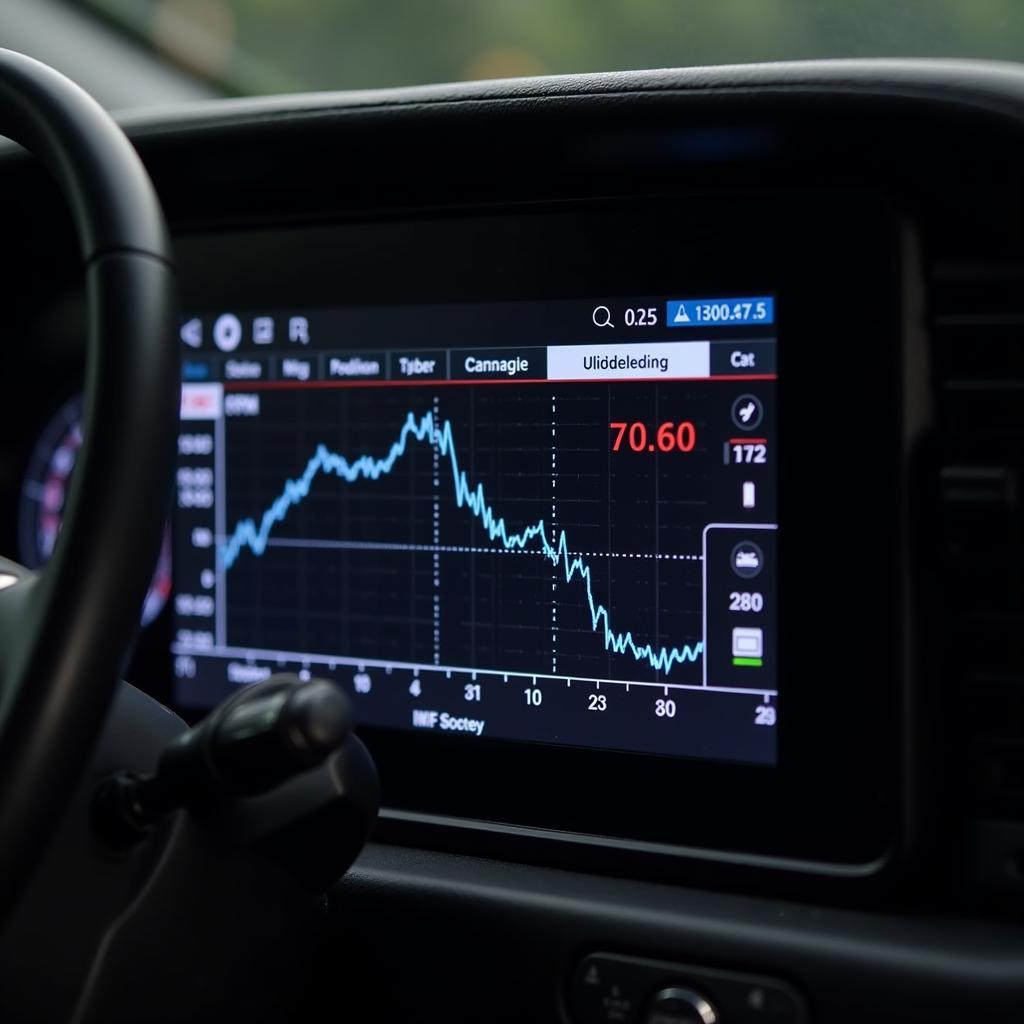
(539,549)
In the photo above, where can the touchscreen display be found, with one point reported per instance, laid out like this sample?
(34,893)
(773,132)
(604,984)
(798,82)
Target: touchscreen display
(552,522)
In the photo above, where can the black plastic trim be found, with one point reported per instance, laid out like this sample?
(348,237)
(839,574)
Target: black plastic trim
(852,965)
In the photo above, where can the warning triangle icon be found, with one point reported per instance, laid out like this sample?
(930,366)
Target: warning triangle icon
(681,317)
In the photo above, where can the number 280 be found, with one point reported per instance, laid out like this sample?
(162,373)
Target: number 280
(746,601)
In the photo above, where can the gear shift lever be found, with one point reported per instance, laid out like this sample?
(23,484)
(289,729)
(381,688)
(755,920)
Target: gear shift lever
(255,741)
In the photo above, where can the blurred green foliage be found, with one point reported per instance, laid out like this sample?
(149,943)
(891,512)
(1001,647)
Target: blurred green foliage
(274,45)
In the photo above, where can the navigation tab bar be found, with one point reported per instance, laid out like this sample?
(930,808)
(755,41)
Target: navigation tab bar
(655,360)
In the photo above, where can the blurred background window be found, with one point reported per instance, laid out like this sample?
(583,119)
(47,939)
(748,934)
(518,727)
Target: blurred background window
(260,46)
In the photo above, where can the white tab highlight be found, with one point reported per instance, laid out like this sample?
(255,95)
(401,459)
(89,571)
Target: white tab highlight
(659,361)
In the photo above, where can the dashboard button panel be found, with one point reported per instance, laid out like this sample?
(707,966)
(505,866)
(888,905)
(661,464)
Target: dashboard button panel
(610,989)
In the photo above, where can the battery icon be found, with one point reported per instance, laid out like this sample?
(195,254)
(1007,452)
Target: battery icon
(749,494)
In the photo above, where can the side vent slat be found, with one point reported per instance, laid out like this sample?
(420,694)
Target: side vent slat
(977,332)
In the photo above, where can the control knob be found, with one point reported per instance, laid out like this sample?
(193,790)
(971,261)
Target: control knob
(680,1006)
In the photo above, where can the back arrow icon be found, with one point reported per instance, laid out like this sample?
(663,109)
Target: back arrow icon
(192,332)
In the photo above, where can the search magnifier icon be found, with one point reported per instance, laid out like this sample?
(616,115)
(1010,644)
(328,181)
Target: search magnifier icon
(602,317)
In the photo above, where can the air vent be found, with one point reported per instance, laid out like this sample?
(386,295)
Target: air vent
(977,333)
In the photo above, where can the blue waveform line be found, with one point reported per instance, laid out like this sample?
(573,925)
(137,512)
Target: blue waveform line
(248,535)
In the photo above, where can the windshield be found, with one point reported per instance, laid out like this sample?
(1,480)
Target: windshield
(259,46)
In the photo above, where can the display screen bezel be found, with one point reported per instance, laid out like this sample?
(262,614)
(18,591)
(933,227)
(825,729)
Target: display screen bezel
(396,682)
(833,262)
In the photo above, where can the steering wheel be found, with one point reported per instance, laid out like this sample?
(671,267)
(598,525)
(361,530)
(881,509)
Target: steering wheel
(64,635)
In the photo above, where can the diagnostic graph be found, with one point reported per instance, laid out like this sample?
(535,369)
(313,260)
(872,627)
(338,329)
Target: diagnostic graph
(584,562)
(537,537)
(483,527)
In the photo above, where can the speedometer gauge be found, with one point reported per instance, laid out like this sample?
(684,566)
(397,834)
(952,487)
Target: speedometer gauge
(44,494)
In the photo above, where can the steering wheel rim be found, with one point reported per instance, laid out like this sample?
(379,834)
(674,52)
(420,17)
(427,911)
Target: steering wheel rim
(64,634)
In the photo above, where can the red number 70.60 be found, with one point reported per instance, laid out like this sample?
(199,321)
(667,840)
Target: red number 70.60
(668,437)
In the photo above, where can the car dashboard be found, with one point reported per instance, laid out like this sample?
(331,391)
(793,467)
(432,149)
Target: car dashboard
(641,454)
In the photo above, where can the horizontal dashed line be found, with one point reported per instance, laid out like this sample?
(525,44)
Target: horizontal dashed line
(461,549)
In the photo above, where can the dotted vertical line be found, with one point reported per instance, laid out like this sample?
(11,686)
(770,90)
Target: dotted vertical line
(608,519)
(554,542)
(437,531)
(657,537)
